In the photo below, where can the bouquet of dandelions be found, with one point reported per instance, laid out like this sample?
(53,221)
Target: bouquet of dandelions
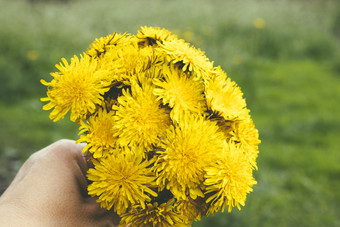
(168,134)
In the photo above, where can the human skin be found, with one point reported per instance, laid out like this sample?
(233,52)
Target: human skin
(50,189)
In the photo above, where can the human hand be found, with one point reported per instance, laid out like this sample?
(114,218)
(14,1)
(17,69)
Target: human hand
(50,189)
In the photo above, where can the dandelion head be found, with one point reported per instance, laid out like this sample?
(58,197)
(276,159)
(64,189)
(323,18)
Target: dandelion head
(225,98)
(187,150)
(192,209)
(32,55)
(97,133)
(187,57)
(163,215)
(259,23)
(140,119)
(103,44)
(247,137)
(121,180)
(228,180)
(78,86)
(151,35)
(181,93)
(133,60)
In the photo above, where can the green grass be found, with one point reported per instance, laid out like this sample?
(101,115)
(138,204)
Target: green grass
(289,73)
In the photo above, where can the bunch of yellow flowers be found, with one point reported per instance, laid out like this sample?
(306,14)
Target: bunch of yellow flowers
(168,134)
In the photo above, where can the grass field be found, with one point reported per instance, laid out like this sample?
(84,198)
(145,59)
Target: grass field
(285,55)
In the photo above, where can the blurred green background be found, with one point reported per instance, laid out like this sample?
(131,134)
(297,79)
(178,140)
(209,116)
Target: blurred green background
(284,54)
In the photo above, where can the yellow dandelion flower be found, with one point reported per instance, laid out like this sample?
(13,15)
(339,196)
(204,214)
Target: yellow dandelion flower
(162,215)
(32,55)
(259,23)
(101,45)
(130,60)
(97,133)
(78,86)
(247,136)
(188,57)
(121,180)
(125,62)
(228,180)
(188,148)
(140,119)
(181,92)
(112,62)
(151,35)
(225,98)
(192,209)
(241,132)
